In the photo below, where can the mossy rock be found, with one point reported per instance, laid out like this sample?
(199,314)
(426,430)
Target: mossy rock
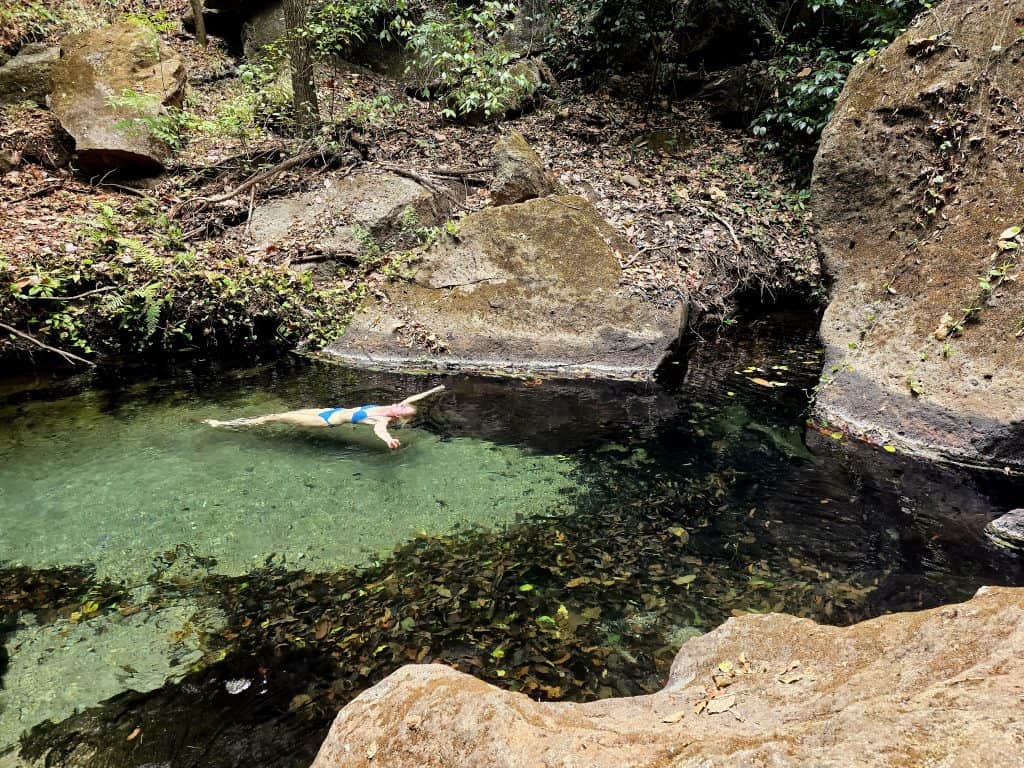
(527,288)
(102,65)
(915,180)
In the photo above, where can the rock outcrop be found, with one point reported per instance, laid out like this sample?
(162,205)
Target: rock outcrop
(519,174)
(351,215)
(939,687)
(1008,530)
(26,77)
(917,176)
(532,287)
(109,85)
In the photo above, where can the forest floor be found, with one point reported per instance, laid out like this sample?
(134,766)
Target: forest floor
(713,217)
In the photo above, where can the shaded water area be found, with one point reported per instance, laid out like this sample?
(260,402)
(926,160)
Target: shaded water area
(176,595)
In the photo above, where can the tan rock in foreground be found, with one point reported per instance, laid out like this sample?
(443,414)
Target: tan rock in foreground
(943,687)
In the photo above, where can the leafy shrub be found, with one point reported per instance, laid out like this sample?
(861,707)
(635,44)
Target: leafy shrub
(462,57)
(808,76)
(808,84)
(120,294)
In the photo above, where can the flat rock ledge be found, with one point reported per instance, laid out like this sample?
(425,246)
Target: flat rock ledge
(527,288)
(943,687)
(914,182)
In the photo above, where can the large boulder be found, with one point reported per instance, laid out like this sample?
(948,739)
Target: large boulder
(532,287)
(519,174)
(350,215)
(917,176)
(939,687)
(109,85)
(262,28)
(26,77)
(533,27)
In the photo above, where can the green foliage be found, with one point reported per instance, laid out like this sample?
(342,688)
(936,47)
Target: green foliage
(147,115)
(368,114)
(334,26)
(808,82)
(808,73)
(118,295)
(158,20)
(22,21)
(462,57)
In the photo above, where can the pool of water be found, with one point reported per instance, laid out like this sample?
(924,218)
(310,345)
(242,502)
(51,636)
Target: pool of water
(225,592)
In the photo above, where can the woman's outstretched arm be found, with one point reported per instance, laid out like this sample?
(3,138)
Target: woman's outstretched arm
(380,429)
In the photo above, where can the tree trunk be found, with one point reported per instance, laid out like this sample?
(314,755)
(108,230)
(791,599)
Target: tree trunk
(307,114)
(197,12)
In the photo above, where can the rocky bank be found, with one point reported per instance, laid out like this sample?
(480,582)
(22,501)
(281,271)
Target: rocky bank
(918,198)
(938,687)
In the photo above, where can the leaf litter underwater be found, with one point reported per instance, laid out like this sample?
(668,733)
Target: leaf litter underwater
(612,523)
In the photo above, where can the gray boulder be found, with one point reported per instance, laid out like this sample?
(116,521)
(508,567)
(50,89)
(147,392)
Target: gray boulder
(90,83)
(264,26)
(532,28)
(519,174)
(350,215)
(26,77)
(1008,531)
(916,188)
(532,287)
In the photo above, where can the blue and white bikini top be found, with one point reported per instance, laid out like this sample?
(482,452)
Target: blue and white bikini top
(360,414)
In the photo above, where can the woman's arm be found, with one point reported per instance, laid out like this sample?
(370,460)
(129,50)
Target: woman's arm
(380,429)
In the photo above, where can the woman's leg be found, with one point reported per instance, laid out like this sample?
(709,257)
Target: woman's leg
(307,417)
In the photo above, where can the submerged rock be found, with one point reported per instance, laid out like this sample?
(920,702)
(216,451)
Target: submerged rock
(129,63)
(351,214)
(519,174)
(26,77)
(532,287)
(914,183)
(943,683)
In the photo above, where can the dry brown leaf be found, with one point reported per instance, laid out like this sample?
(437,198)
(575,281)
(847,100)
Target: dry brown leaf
(721,704)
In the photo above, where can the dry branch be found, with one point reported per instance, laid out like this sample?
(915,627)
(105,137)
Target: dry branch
(256,178)
(70,357)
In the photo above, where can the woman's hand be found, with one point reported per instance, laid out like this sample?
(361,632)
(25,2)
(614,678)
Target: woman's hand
(393,444)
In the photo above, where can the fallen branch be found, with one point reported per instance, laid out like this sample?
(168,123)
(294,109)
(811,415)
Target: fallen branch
(71,298)
(425,181)
(256,178)
(732,232)
(42,189)
(70,357)
(645,249)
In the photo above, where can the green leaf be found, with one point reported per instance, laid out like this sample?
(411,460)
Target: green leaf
(526,587)
(1009,233)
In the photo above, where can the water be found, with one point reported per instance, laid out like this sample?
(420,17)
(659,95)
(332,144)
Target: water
(232,589)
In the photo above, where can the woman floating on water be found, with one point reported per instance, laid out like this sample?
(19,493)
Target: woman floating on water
(376,416)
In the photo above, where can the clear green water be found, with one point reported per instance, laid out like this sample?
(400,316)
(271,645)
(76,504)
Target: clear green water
(116,486)
(126,483)
(204,533)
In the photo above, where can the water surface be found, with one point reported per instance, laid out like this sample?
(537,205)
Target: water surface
(232,589)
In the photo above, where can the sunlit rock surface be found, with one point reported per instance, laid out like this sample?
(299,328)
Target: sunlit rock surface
(532,287)
(938,687)
(917,176)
